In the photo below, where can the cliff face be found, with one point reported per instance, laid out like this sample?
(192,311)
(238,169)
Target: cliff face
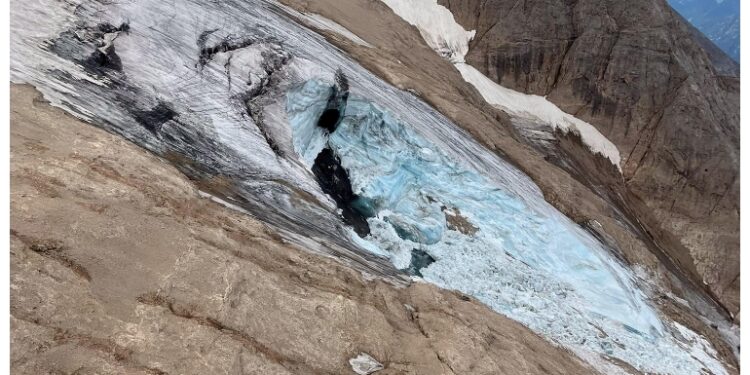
(652,85)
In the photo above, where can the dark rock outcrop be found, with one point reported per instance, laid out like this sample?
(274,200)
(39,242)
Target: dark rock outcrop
(154,118)
(419,259)
(334,181)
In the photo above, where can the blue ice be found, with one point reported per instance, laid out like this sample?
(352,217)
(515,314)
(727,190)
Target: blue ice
(533,265)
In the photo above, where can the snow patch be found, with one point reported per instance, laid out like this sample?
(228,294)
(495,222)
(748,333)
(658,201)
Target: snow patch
(162,63)
(364,364)
(223,202)
(449,39)
(537,107)
(437,26)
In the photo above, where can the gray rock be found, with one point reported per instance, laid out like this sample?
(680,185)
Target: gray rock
(656,88)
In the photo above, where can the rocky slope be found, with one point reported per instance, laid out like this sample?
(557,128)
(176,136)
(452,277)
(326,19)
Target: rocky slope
(120,266)
(638,72)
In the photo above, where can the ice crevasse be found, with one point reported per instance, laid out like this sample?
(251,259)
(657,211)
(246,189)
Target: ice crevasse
(449,224)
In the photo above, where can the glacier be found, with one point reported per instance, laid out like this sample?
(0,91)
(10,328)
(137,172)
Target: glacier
(230,92)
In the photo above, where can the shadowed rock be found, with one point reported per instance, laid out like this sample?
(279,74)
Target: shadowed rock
(334,180)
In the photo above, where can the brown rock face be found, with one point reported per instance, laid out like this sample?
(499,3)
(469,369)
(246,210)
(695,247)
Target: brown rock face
(652,85)
(118,266)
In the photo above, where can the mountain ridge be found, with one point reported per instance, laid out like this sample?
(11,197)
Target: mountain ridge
(719,21)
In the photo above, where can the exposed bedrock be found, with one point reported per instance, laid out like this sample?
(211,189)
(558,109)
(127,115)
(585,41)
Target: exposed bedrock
(405,60)
(214,115)
(334,181)
(213,140)
(652,85)
(451,225)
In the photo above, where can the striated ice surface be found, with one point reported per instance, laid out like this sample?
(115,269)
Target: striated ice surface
(522,258)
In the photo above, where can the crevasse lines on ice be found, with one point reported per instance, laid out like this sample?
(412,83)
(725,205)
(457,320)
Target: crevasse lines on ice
(449,39)
(211,136)
(211,126)
(525,260)
(162,97)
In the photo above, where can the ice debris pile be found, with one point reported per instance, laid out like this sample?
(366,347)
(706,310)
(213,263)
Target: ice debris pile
(437,218)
